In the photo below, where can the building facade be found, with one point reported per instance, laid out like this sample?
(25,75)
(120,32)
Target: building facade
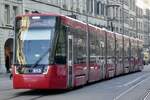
(146,19)
(114,15)
(125,17)
(139,23)
(9,9)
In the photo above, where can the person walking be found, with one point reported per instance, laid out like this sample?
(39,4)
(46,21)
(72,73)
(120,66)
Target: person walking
(7,64)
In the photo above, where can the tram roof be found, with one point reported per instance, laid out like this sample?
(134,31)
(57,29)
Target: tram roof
(91,26)
(39,14)
(125,36)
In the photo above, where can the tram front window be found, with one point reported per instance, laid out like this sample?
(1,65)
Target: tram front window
(34,39)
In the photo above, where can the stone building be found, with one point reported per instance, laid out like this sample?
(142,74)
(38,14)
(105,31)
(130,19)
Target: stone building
(146,28)
(114,14)
(9,9)
(125,17)
(139,23)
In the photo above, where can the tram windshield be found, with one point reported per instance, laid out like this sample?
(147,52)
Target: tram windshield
(34,39)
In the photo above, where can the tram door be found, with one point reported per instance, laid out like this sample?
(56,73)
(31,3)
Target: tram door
(70,61)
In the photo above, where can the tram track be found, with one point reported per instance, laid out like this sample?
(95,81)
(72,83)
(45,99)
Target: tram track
(19,97)
(37,97)
(147,94)
(11,97)
(33,94)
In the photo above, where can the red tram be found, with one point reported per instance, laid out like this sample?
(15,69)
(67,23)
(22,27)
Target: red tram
(50,52)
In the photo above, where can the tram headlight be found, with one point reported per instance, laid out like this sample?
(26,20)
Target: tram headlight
(45,71)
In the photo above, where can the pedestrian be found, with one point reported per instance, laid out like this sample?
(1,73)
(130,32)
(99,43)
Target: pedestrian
(7,64)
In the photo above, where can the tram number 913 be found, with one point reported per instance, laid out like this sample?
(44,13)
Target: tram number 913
(37,70)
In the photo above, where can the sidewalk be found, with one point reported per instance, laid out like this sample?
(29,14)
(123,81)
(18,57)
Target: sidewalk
(4,75)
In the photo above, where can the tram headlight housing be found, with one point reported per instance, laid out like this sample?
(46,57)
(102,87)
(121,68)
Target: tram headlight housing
(45,70)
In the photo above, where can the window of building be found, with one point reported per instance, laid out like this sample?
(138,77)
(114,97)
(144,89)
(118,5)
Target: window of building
(7,14)
(102,9)
(84,6)
(126,2)
(26,11)
(77,6)
(56,2)
(15,11)
(91,6)
(99,8)
(64,4)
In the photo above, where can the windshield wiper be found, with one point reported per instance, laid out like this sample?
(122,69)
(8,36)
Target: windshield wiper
(34,65)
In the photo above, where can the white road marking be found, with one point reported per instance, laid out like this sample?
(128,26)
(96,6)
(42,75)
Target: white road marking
(135,80)
(128,90)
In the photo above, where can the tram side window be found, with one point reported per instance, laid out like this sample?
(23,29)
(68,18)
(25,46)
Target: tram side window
(133,51)
(136,50)
(139,51)
(119,47)
(79,46)
(97,46)
(127,51)
(100,44)
(60,53)
(93,47)
(126,48)
(110,46)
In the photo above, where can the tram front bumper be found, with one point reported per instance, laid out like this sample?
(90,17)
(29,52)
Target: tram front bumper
(30,82)
(56,78)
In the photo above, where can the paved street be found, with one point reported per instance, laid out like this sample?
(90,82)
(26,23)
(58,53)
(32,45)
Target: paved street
(135,86)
